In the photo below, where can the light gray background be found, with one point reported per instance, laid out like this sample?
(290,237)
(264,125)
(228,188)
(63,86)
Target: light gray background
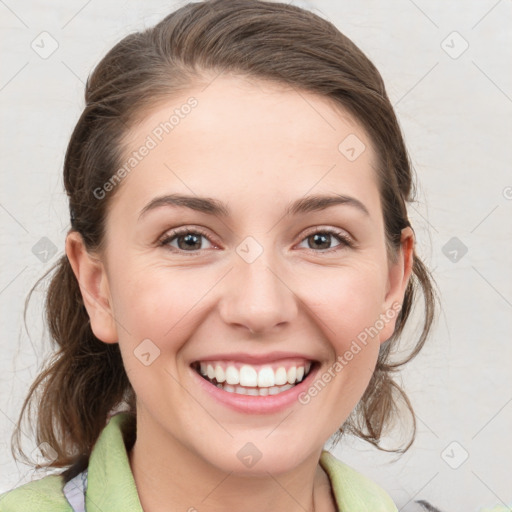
(455,109)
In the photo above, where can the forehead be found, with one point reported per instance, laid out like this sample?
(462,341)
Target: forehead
(247,142)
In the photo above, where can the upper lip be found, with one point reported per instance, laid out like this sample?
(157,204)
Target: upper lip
(244,357)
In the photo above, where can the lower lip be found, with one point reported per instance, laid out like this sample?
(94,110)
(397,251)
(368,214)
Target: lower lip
(250,404)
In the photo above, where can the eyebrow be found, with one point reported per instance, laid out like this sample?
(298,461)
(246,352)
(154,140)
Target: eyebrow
(215,207)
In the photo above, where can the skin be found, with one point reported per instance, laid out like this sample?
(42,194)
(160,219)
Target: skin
(255,146)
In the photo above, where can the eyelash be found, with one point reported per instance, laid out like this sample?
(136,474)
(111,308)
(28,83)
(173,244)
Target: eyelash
(345,240)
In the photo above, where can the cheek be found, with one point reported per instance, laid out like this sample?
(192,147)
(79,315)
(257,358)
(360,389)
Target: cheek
(345,305)
(157,310)
(161,304)
(346,301)
(166,304)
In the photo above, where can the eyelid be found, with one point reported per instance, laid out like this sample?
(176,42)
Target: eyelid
(346,240)
(173,233)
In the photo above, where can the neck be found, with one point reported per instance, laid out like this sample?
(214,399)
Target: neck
(166,474)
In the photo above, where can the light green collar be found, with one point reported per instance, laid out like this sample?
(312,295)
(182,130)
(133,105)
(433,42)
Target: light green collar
(109,468)
(111,485)
(353,491)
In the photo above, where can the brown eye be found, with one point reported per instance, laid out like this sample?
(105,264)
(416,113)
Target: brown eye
(187,240)
(321,240)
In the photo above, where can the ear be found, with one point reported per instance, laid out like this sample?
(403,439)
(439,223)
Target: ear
(92,278)
(399,274)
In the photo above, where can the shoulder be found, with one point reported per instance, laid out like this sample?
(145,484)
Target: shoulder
(353,491)
(43,495)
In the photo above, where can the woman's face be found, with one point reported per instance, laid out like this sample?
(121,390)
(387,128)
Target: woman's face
(261,284)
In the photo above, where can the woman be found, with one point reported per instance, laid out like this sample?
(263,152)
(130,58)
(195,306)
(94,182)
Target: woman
(239,267)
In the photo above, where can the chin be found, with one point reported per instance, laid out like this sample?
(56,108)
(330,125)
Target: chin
(256,459)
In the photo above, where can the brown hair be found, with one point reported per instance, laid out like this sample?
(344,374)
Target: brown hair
(85,379)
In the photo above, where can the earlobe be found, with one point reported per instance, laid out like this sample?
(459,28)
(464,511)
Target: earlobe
(93,281)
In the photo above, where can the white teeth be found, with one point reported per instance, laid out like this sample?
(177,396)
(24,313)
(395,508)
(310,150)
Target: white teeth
(292,374)
(274,390)
(248,376)
(264,378)
(281,376)
(232,375)
(220,376)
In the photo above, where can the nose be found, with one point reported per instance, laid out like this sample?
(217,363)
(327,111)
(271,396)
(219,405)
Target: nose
(257,297)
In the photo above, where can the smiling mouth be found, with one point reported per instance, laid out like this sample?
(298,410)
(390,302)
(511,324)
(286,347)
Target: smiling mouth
(255,380)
